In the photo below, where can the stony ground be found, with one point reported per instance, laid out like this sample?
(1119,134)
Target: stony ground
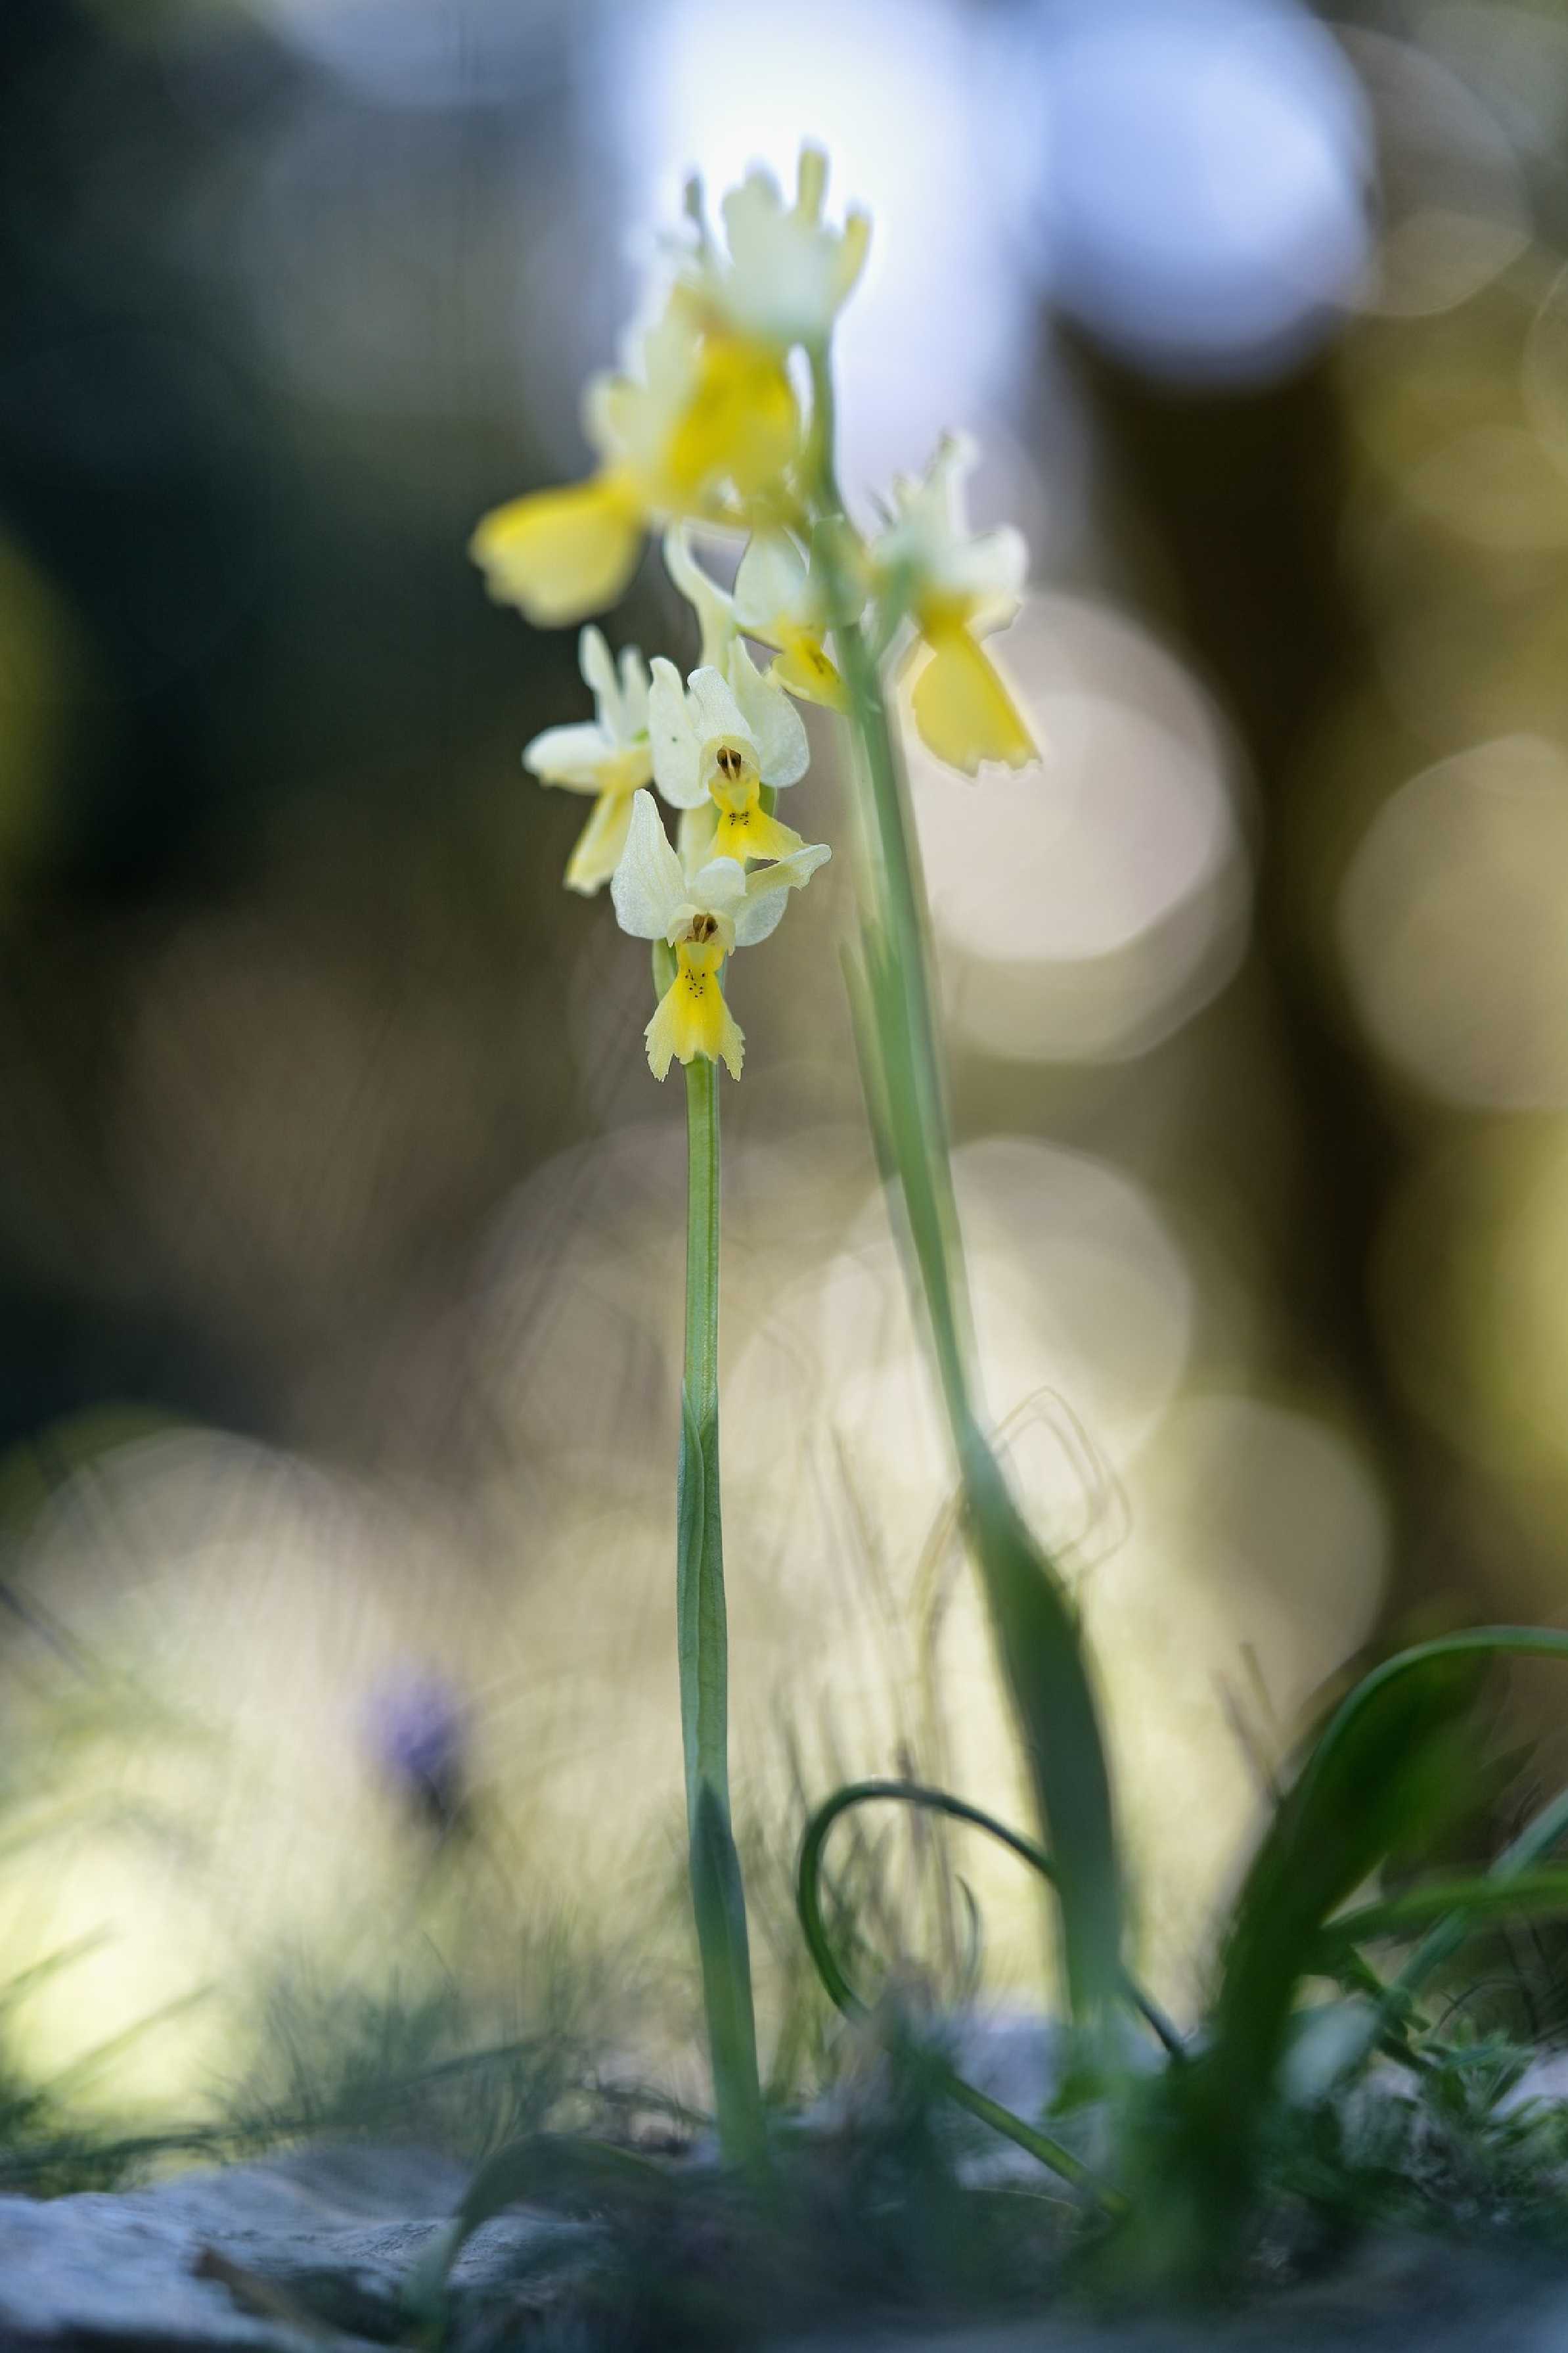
(313,2249)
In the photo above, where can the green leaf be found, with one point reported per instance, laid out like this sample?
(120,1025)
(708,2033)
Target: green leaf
(718,1904)
(690,1516)
(1043,1659)
(1380,1776)
(1538,1894)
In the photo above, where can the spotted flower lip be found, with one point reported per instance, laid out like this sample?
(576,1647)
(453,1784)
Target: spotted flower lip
(608,755)
(702,915)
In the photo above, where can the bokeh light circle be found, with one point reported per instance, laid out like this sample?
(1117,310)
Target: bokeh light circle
(1084,908)
(1453,923)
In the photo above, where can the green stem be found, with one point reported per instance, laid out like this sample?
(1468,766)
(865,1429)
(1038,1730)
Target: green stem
(1036,1628)
(717,1897)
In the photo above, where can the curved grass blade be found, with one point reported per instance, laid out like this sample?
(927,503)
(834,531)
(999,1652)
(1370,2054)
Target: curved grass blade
(808,1876)
(845,1998)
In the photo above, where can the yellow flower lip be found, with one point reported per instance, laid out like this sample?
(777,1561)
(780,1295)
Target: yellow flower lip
(804,668)
(691,1016)
(748,831)
(559,554)
(962,709)
(703,913)
(741,424)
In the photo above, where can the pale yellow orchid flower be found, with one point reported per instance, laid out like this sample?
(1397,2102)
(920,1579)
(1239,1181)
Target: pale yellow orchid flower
(786,275)
(608,755)
(702,915)
(717,743)
(957,587)
(706,423)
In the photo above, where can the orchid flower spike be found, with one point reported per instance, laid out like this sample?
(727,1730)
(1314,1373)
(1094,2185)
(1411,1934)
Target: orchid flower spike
(958,587)
(608,755)
(786,275)
(718,742)
(702,915)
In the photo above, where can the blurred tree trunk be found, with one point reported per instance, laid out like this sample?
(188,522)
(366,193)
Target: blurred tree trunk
(1239,498)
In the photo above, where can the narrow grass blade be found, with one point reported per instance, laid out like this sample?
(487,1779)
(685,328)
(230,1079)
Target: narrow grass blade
(1532,1894)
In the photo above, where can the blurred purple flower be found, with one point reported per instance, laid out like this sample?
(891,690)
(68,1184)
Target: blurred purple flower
(418,1731)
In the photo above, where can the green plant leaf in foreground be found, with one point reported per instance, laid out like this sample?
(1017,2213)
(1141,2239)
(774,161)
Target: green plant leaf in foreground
(1380,1778)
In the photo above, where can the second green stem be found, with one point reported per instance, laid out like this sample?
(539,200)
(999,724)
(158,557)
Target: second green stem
(717,1898)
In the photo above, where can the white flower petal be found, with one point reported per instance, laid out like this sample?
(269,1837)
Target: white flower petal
(599,673)
(715,612)
(720,887)
(929,541)
(648,887)
(768,890)
(694,834)
(677,763)
(574,757)
(634,693)
(714,712)
(995,568)
(772,721)
(787,274)
(771,586)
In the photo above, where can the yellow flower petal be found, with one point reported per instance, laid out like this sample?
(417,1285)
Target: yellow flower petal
(561,555)
(805,670)
(740,425)
(600,843)
(962,710)
(750,832)
(692,1017)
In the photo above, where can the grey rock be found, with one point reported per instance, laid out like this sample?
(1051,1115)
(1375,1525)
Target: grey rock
(314,2249)
(269,2256)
